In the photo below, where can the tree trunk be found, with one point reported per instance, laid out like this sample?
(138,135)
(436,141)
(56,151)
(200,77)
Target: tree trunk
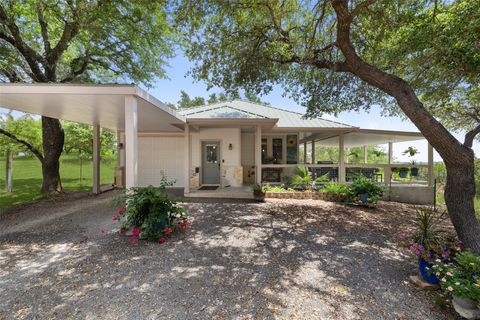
(53,138)
(459,198)
(460,189)
(9,171)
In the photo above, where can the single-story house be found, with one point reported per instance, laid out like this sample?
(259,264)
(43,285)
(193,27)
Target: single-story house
(224,148)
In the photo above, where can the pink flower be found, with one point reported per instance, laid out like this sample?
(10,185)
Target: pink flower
(167,231)
(183,224)
(104,232)
(133,240)
(121,211)
(162,240)
(114,218)
(136,231)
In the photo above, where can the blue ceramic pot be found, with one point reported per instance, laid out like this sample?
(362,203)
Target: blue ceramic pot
(430,278)
(363,197)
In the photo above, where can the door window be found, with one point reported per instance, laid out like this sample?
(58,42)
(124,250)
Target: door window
(211,153)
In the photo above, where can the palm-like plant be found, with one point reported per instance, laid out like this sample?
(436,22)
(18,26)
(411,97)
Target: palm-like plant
(428,231)
(302,178)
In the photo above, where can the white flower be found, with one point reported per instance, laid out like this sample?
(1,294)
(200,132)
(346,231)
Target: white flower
(457,283)
(437,274)
(449,274)
(438,260)
(444,280)
(450,288)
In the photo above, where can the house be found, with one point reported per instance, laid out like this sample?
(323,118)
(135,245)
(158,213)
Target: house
(224,148)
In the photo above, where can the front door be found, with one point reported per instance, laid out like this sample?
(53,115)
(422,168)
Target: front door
(211,163)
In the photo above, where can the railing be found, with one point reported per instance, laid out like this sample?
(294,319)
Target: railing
(385,170)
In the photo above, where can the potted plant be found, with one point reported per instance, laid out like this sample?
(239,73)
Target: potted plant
(411,152)
(258,192)
(461,278)
(365,190)
(427,241)
(403,172)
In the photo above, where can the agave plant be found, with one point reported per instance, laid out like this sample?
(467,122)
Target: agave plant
(428,231)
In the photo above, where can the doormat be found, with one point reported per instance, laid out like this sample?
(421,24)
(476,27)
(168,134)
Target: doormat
(208,188)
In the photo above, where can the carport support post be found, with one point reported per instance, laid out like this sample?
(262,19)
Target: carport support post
(131,142)
(187,158)
(313,151)
(258,155)
(388,168)
(365,154)
(431,174)
(96,159)
(305,152)
(341,159)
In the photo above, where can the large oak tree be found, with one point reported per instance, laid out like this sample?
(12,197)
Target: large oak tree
(324,53)
(61,41)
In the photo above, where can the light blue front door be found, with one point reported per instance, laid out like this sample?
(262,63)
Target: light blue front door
(211,163)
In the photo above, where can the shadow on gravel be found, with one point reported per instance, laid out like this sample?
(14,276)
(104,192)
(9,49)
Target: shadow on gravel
(288,260)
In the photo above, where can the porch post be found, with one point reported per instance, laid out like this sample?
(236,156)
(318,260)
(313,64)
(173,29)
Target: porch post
(431,174)
(313,151)
(365,154)
(388,169)
(304,152)
(258,155)
(187,158)
(341,159)
(96,159)
(131,142)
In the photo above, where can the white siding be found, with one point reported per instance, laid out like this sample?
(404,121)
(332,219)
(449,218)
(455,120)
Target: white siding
(225,136)
(160,154)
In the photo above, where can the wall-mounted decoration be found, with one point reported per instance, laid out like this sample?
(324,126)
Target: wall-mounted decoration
(292,145)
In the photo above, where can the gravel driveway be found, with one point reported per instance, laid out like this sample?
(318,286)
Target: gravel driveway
(285,259)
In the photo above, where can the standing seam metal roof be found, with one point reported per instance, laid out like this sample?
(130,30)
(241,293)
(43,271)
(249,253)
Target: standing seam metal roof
(241,109)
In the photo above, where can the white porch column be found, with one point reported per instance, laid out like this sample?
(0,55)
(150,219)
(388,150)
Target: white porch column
(258,155)
(388,169)
(96,159)
(305,152)
(431,174)
(187,158)
(365,154)
(131,142)
(341,159)
(313,151)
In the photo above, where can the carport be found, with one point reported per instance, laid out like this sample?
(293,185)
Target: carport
(120,108)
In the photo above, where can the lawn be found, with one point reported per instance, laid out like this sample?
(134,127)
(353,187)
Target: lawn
(441,200)
(27,178)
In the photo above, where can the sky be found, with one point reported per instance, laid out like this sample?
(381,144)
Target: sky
(168,90)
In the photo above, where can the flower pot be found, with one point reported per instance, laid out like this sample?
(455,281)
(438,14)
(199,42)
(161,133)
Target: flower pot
(466,307)
(363,197)
(414,172)
(260,197)
(423,267)
(403,173)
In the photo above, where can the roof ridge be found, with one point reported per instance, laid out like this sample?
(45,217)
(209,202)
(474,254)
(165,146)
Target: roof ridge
(276,108)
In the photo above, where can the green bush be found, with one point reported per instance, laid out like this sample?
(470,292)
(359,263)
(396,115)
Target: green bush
(150,211)
(276,188)
(362,185)
(302,178)
(337,189)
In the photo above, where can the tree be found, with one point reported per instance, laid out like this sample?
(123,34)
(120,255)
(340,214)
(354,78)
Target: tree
(80,41)
(186,102)
(319,52)
(24,129)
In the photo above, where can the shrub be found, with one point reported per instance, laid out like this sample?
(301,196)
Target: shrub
(337,189)
(302,178)
(275,188)
(151,213)
(362,185)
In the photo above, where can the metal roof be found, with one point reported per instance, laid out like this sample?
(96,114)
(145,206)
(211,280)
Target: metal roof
(241,109)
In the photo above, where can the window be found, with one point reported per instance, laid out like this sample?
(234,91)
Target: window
(277,149)
(264,150)
(211,153)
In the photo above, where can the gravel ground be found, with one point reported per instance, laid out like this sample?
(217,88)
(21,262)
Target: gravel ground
(284,259)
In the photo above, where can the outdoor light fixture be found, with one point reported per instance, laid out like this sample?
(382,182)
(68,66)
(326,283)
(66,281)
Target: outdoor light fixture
(230,146)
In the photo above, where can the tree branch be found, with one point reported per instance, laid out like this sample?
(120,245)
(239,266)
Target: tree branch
(470,136)
(43,28)
(360,7)
(27,144)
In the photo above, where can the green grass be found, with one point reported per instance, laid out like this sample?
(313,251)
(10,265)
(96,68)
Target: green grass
(27,178)
(441,200)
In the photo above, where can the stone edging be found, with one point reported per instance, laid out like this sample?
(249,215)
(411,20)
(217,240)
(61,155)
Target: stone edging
(303,195)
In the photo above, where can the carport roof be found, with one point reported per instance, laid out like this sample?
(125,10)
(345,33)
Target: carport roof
(90,104)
